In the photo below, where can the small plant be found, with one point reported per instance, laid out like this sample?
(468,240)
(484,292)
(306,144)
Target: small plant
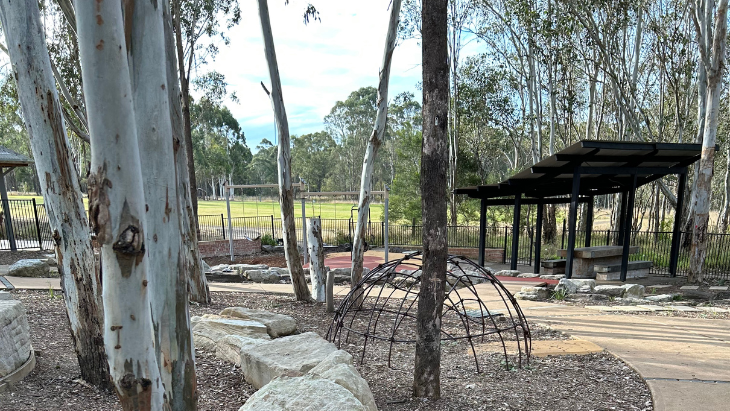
(51,292)
(267,239)
(559,295)
(677,297)
(611,298)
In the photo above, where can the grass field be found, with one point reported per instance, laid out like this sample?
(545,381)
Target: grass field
(264,208)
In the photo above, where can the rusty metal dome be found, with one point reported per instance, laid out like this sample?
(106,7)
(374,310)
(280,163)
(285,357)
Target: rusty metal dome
(477,309)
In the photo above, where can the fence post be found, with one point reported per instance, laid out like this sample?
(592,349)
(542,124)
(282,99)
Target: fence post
(273,236)
(504,253)
(37,225)
(608,237)
(562,237)
(532,245)
(223,226)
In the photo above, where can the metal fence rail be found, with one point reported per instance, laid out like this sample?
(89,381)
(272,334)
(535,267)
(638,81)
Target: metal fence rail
(31,229)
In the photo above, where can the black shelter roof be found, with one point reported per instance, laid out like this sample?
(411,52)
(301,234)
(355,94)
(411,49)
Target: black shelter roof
(605,167)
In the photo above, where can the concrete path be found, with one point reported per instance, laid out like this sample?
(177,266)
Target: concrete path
(685,361)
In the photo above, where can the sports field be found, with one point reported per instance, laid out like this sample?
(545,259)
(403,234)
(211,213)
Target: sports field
(338,210)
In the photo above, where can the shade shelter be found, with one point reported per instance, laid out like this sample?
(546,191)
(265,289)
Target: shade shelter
(9,160)
(577,174)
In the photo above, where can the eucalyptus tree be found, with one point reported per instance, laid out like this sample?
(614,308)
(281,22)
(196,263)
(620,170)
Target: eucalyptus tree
(374,142)
(286,191)
(43,117)
(434,167)
(197,26)
(711,39)
(117,205)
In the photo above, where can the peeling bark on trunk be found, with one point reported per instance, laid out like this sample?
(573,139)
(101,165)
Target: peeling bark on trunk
(185,102)
(116,205)
(374,143)
(703,182)
(316,259)
(38,96)
(286,192)
(197,283)
(163,242)
(725,214)
(434,166)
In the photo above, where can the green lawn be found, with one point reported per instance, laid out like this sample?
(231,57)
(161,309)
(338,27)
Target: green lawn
(265,208)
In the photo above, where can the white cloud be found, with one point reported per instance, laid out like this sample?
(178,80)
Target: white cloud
(319,63)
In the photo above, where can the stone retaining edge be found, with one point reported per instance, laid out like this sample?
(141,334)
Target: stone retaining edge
(18,374)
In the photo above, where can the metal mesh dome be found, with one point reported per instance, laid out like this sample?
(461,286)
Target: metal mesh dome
(477,309)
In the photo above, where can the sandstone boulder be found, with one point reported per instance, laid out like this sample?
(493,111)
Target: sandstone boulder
(294,355)
(508,273)
(635,291)
(572,286)
(338,368)
(277,325)
(229,347)
(4,296)
(15,348)
(262,276)
(214,328)
(609,290)
(307,393)
(30,268)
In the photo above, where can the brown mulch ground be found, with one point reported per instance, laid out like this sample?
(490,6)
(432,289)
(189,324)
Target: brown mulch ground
(592,382)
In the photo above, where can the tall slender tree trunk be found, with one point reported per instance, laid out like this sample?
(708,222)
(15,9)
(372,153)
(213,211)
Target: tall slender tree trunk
(163,241)
(197,283)
(434,166)
(374,143)
(37,93)
(286,191)
(185,103)
(117,204)
(725,213)
(703,187)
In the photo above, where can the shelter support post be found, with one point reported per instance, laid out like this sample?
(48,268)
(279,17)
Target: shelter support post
(572,217)
(622,217)
(482,230)
(6,210)
(589,221)
(516,232)
(538,238)
(627,229)
(676,234)
(385,230)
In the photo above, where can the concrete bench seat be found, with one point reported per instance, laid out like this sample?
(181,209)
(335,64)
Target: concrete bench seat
(553,267)
(611,272)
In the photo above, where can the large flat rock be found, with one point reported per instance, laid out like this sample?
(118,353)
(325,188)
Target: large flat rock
(294,355)
(277,325)
(209,329)
(229,347)
(15,348)
(30,268)
(308,393)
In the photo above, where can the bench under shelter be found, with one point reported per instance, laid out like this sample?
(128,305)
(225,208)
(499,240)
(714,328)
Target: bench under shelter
(576,175)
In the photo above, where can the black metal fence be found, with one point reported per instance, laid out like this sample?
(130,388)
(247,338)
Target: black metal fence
(31,229)
(27,227)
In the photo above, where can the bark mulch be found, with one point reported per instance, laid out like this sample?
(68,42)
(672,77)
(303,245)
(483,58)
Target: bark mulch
(591,382)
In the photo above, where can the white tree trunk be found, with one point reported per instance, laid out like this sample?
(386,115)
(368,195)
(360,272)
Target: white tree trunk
(286,192)
(703,187)
(163,242)
(197,283)
(374,143)
(59,184)
(725,213)
(316,259)
(117,205)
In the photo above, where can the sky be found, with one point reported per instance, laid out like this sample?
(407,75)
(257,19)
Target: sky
(319,63)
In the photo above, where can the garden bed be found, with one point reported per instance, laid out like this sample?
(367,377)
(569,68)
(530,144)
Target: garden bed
(597,381)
